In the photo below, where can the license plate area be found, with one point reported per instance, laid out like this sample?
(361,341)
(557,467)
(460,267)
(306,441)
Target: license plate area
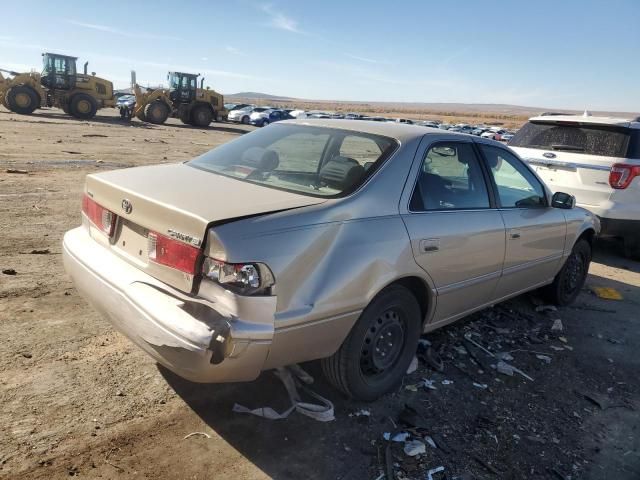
(132,241)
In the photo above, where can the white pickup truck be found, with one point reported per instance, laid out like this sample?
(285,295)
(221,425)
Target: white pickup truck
(596,159)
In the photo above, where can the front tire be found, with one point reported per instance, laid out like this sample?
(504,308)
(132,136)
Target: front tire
(265,123)
(245,120)
(571,277)
(377,352)
(22,99)
(156,112)
(83,106)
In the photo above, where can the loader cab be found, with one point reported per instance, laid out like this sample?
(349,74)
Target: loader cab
(58,71)
(182,87)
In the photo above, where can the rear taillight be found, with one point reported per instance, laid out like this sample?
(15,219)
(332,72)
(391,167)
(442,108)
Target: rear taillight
(622,175)
(102,218)
(173,253)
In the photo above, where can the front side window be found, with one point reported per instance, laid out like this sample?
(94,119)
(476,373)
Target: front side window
(517,186)
(302,159)
(450,179)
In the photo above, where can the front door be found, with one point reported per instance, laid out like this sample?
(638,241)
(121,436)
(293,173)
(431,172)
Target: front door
(457,236)
(535,232)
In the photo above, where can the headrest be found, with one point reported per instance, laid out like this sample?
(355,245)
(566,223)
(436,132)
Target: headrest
(261,159)
(341,173)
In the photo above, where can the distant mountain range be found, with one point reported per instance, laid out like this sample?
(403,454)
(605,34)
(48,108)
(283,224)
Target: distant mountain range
(496,108)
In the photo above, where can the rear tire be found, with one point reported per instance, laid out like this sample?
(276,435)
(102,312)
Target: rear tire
(83,106)
(265,123)
(571,277)
(156,112)
(377,352)
(201,116)
(22,99)
(632,248)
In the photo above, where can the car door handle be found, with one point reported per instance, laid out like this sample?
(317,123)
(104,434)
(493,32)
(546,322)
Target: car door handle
(429,245)
(514,234)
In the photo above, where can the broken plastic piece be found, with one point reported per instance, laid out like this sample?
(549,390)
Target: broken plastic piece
(429,384)
(557,325)
(398,437)
(323,412)
(544,358)
(433,471)
(413,366)
(414,447)
(546,308)
(197,433)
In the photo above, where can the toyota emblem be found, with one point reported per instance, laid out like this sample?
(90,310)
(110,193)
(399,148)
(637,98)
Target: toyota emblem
(549,155)
(127,206)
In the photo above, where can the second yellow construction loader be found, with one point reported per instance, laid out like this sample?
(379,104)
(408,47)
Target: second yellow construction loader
(183,99)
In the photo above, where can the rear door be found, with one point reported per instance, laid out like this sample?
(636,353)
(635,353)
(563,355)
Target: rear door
(535,232)
(574,158)
(457,235)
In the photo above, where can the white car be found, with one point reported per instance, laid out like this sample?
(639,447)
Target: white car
(494,133)
(243,115)
(596,159)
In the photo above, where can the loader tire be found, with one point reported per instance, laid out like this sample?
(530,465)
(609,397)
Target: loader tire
(22,99)
(156,112)
(201,116)
(83,106)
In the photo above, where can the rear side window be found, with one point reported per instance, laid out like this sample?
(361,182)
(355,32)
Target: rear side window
(589,139)
(361,149)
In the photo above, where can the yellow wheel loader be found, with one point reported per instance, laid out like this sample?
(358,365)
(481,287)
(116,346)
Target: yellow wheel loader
(183,99)
(59,85)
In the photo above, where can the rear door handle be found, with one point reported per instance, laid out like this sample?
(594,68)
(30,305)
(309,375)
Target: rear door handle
(515,234)
(429,245)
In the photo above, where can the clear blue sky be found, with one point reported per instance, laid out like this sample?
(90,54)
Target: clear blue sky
(571,54)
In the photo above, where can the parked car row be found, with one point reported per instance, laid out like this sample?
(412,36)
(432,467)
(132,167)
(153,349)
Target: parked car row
(247,114)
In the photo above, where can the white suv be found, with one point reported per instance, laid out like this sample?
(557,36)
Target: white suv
(596,159)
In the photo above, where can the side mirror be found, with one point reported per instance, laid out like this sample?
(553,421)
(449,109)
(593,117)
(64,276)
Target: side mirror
(563,200)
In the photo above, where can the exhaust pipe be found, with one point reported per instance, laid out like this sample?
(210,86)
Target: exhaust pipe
(86,65)
(201,83)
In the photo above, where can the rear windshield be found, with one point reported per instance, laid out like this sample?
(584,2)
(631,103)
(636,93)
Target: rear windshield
(589,139)
(313,161)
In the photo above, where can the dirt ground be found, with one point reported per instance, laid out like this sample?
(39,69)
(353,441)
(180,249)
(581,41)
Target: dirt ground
(78,399)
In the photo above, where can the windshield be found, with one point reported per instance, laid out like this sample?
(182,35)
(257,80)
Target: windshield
(600,140)
(314,161)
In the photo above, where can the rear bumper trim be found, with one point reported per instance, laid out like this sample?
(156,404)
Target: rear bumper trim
(177,333)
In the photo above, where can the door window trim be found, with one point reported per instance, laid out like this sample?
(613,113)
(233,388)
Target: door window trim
(494,185)
(493,204)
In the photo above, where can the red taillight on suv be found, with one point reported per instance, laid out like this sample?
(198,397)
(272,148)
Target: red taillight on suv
(173,253)
(103,219)
(622,175)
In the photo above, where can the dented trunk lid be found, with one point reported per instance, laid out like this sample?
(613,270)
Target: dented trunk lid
(177,201)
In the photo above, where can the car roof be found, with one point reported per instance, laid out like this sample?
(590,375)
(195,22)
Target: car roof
(588,119)
(399,131)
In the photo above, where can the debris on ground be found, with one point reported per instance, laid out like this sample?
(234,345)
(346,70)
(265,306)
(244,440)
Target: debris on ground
(44,251)
(197,433)
(544,358)
(17,170)
(557,325)
(414,447)
(546,308)
(607,293)
(294,377)
(413,366)
(9,271)
(433,471)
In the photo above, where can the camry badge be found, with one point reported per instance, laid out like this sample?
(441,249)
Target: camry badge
(183,237)
(127,206)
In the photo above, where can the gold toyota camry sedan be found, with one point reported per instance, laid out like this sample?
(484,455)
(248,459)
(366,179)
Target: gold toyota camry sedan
(338,240)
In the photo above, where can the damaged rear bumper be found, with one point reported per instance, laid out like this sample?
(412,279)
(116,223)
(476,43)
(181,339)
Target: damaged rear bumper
(200,340)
